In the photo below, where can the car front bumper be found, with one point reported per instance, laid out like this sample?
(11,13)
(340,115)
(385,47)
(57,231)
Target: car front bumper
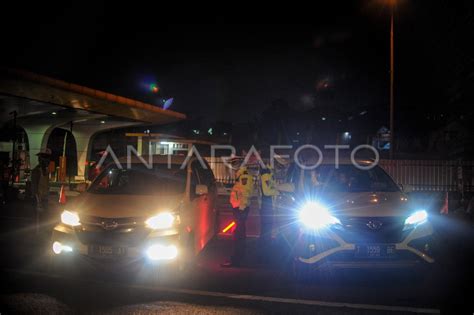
(122,254)
(328,249)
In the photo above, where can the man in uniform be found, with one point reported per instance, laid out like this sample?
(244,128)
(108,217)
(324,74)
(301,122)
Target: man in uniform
(40,180)
(240,201)
(40,184)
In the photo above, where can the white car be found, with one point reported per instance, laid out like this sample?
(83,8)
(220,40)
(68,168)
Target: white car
(139,216)
(346,217)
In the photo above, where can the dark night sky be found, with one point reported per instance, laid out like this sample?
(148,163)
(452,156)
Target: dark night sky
(230,67)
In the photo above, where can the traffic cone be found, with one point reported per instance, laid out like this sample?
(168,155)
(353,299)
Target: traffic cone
(445,207)
(62,195)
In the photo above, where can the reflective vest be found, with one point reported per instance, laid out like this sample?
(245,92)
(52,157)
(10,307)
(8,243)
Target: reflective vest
(241,191)
(268,185)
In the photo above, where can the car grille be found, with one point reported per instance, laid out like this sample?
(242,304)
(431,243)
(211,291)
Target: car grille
(372,230)
(111,231)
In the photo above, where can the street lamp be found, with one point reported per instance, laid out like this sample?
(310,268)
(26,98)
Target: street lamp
(392,133)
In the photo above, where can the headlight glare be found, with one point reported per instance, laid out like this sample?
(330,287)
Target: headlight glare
(316,216)
(70,218)
(58,248)
(162,252)
(163,220)
(417,217)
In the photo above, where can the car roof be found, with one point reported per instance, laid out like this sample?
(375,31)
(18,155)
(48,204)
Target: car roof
(342,161)
(156,159)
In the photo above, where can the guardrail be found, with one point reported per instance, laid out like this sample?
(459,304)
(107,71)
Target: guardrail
(422,175)
(432,175)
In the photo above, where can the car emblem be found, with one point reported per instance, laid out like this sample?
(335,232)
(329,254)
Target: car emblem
(374,224)
(109,225)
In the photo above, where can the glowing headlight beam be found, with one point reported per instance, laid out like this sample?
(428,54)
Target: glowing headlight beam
(70,218)
(418,217)
(58,248)
(163,220)
(316,216)
(162,252)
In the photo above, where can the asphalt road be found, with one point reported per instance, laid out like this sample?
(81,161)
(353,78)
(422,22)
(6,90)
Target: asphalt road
(28,285)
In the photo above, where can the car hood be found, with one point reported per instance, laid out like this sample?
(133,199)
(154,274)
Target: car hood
(367,204)
(122,206)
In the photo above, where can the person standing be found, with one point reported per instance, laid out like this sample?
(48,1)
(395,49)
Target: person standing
(268,193)
(40,184)
(240,201)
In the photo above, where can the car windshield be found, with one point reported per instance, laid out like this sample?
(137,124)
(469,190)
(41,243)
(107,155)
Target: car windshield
(139,180)
(345,178)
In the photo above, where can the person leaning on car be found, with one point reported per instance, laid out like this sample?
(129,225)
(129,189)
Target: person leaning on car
(240,201)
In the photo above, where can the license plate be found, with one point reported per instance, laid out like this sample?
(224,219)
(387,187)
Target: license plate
(107,251)
(375,251)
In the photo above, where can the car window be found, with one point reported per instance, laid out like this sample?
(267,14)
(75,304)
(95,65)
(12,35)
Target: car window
(139,180)
(205,176)
(345,178)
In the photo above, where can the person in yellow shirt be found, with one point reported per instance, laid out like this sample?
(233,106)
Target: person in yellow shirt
(240,201)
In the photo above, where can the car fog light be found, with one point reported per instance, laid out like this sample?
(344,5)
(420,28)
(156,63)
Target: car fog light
(58,248)
(162,252)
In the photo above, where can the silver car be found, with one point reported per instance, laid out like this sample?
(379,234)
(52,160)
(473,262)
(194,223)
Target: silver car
(346,217)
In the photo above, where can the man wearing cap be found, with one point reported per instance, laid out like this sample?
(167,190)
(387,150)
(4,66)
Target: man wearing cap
(240,201)
(40,180)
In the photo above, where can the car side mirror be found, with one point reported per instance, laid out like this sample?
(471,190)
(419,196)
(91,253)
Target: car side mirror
(286,187)
(201,190)
(81,187)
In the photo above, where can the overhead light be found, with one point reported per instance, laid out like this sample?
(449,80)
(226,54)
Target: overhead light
(102,121)
(53,113)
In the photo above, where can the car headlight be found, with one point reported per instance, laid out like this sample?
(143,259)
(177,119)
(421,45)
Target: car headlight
(416,218)
(70,218)
(164,220)
(316,216)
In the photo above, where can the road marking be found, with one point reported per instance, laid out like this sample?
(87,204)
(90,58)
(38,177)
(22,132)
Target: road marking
(295,301)
(373,307)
